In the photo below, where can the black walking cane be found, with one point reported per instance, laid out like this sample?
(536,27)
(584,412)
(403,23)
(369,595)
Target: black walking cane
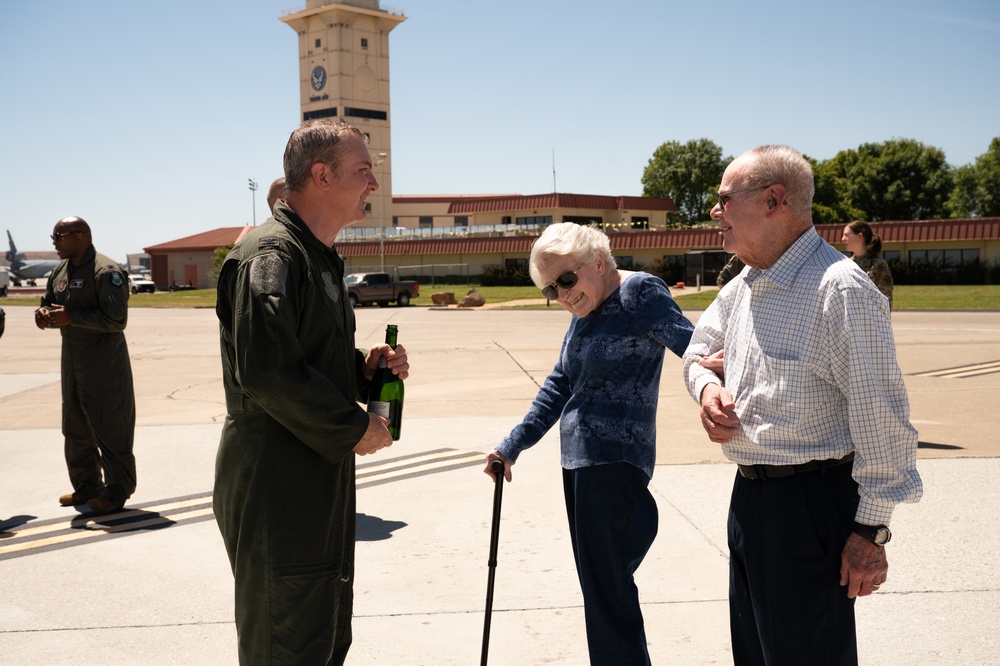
(497,468)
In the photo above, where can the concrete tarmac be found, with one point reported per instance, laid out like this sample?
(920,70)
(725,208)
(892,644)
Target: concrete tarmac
(152,585)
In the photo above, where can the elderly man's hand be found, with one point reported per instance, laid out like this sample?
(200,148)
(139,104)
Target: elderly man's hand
(863,566)
(718,413)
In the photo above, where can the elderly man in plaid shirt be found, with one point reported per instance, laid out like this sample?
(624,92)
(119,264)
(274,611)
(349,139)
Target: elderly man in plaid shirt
(807,398)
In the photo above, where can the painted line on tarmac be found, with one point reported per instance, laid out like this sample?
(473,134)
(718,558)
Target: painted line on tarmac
(59,533)
(418,464)
(963,371)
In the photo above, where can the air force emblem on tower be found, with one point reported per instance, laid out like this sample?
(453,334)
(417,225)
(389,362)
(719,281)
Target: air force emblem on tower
(318,78)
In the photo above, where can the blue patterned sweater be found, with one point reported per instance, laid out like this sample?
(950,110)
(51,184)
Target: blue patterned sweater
(605,385)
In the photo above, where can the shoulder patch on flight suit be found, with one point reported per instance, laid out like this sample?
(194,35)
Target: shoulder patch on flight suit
(270,241)
(332,290)
(268,274)
(116,278)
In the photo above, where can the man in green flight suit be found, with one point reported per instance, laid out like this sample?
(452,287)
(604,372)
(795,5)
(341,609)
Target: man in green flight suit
(87,300)
(284,478)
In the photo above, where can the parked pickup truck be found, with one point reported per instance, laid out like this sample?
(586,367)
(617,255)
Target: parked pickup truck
(365,288)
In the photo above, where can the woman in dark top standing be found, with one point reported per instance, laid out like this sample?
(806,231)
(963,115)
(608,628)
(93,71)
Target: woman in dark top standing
(603,391)
(865,247)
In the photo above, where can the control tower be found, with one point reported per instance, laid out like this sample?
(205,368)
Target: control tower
(344,74)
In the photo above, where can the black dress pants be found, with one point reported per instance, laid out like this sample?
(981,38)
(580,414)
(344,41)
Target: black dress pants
(786,536)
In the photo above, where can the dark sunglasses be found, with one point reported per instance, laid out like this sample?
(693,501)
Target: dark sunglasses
(59,236)
(567,281)
(724,197)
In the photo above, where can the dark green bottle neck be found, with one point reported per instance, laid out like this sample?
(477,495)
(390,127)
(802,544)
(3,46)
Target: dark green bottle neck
(390,335)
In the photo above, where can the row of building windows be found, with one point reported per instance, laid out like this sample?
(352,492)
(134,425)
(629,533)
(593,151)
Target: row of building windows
(364,43)
(942,257)
(681,261)
(348,112)
(533,220)
(427,221)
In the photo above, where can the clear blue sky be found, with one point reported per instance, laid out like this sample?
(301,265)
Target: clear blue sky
(153,135)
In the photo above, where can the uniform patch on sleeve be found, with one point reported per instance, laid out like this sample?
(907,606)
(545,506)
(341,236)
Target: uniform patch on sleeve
(268,274)
(331,289)
(116,278)
(270,241)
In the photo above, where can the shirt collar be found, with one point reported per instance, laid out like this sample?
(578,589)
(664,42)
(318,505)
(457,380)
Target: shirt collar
(284,214)
(783,271)
(89,255)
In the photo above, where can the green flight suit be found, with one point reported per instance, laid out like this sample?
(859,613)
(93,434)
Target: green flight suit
(284,478)
(98,398)
(878,270)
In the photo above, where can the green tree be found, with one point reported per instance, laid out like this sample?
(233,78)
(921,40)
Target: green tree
(218,258)
(831,204)
(900,179)
(689,174)
(977,186)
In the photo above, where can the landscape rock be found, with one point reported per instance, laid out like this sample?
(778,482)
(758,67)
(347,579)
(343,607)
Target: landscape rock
(443,298)
(473,299)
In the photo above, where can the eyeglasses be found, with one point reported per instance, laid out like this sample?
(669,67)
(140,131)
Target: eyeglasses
(567,281)
(724,197)
(59,236)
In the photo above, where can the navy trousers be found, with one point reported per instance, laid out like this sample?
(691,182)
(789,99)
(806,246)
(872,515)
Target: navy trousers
(786,536)
(612,523)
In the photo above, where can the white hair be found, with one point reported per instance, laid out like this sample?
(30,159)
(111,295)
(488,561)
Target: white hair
(785,166)
(568,239)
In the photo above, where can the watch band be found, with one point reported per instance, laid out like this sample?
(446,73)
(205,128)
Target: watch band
(877,534)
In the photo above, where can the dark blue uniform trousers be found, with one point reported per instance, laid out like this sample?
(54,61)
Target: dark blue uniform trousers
(612,524)
(786,536)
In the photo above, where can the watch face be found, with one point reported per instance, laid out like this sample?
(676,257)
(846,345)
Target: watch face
(318,78)
(882,536)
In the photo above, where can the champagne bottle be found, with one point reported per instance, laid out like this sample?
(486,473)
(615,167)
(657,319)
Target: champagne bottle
(385,395)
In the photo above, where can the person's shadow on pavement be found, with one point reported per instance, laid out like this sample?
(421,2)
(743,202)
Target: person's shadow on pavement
(373,528)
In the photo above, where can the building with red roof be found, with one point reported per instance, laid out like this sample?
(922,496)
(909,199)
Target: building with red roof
(460,234)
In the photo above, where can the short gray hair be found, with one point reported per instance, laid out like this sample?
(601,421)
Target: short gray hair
(568,239)
(781,165)
(314,141)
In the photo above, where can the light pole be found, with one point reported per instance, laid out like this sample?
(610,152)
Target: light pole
(253,198)
(379,158)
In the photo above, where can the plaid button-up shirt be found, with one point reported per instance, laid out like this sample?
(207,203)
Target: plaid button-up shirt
(811,362)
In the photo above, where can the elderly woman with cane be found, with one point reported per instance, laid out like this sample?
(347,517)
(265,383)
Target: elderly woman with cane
(603,391)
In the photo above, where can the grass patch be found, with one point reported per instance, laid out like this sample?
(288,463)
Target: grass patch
(935,297)
(191,298)
(905,297)
(698,300)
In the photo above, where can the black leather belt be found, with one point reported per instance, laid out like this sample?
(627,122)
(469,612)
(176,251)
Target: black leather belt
(764,472)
